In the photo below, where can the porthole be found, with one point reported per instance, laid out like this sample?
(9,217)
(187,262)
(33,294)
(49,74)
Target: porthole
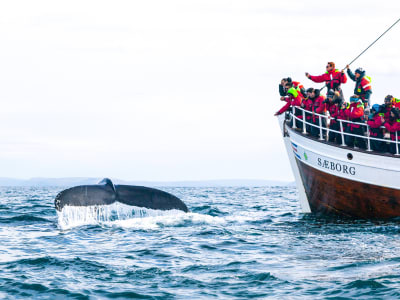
(349,156)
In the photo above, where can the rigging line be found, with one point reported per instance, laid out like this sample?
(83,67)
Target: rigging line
(368,47)
(374,42)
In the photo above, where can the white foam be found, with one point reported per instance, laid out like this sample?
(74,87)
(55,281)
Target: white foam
(126,216)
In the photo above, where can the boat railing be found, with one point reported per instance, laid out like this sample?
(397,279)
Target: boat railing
(342,132)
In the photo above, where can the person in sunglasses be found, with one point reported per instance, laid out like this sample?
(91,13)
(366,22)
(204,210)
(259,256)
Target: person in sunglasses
(333,78)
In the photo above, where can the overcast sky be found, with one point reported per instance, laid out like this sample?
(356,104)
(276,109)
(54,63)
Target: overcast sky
(171,90)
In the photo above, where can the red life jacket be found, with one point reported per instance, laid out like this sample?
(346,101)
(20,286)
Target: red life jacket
(393,127)
(332,79)
(375,125)
(356,113)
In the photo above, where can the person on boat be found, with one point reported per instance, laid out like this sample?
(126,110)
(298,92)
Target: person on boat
(395,102)
(293,99)
(308,105)
(393,126)
(387,106)
(333,78)
(335,101)
(355,114)
(375,122)
(319,108)
(296,84)
(363,84)
(343,114)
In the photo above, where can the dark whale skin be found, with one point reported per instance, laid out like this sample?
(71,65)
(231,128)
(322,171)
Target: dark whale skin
(106,193)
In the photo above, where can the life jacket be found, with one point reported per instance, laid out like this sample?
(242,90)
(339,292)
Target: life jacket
(356,113)
(374,126)
(393,127)
(396,102)
(298,86)
(362,86)
(308,106)
(334,79)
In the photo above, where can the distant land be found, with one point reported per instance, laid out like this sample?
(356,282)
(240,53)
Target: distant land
(72,181)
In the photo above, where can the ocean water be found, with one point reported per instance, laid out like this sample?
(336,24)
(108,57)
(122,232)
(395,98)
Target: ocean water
(236,243)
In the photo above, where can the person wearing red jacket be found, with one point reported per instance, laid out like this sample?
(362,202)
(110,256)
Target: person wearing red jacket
(355,114)
(387,106)
(393,126)
(395,102)
(308,105)
(334,104)
(296,84)
(363,85)
(333,78)
(375,122)
(292,99)
(318,107)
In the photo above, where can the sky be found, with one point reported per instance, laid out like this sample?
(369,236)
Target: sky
(171,90)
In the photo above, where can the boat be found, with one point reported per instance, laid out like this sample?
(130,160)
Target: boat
(336,179)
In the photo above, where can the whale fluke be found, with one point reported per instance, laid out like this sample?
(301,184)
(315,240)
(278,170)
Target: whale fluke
(148,197)
(106,193)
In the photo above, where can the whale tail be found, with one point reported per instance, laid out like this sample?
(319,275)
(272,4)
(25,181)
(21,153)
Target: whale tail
(106,193)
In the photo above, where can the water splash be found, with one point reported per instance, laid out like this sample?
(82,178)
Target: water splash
(73,216)
(126,216)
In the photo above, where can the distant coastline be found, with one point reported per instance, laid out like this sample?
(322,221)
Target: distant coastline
(73,181)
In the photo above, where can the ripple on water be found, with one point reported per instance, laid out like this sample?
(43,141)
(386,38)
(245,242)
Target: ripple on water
(235,243)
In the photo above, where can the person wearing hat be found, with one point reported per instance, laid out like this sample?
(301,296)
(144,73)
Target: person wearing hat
(387,106)
(355,114)
(293,99)
(375,122)
(296,84)
(395,102)
(393,126)
(363,85)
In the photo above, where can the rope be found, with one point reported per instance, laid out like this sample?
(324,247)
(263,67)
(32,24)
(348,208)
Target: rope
(374,42)
(368,47)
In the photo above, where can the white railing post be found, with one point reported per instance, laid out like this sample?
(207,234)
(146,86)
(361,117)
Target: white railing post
(341,133)
(397,144)
(304,122)
(368,140)
(321,138)
(293,118)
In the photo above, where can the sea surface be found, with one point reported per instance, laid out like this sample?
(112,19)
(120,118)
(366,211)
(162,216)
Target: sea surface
(236,243)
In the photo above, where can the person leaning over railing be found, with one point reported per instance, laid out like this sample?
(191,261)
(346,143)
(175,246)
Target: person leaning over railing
(292,99)
(335,101)
(296,84)
(343,114)
(375,122)
(355,114)
(308,105)
(319,107)
(393,126)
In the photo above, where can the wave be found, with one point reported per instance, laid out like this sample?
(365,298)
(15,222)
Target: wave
(25,219)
